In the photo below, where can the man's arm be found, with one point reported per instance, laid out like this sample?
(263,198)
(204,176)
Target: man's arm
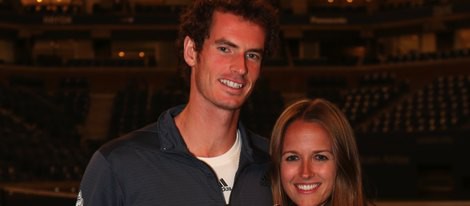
(99,186)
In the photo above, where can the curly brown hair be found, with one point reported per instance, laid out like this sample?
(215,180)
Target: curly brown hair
(196,22)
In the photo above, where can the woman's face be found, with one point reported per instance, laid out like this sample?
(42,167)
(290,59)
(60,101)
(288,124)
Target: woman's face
(308,168)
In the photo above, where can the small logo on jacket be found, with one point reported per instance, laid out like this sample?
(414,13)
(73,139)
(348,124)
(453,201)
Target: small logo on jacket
(79,199)
(224,186)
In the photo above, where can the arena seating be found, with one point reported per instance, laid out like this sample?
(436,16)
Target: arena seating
(130,108)
(442,105)
(409,108)
(34,127)
(429,56)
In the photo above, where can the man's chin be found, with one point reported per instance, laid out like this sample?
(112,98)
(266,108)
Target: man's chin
(230,105)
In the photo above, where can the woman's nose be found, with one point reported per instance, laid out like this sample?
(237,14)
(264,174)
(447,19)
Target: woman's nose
(306,170)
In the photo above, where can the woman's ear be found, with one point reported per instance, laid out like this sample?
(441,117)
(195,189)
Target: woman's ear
(189,51)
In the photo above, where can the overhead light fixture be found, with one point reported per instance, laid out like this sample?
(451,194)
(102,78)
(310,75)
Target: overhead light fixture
(121,54)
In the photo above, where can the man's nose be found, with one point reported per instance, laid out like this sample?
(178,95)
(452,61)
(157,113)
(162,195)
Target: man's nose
(239,65)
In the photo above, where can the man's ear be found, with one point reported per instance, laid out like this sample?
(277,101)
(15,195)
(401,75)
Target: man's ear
(189,51)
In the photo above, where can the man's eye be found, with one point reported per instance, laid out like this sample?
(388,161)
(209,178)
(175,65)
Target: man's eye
(253,56)
(223,49)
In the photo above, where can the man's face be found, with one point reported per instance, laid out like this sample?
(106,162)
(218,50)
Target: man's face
(226,69)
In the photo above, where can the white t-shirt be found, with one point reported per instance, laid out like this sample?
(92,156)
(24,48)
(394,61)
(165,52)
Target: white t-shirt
(226,166)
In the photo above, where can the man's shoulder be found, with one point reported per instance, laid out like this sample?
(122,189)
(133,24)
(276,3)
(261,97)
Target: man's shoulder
(143,138)
(259,146)
(258,141)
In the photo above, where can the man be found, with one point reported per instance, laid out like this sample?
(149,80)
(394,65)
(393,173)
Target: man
(199,153)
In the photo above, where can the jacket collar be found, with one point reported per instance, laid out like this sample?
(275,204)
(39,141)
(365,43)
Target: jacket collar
(171,140)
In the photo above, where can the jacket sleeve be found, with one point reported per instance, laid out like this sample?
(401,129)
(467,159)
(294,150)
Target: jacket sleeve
(99,186)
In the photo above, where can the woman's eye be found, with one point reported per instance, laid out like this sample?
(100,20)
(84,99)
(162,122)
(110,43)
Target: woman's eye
(292,158)
(321,157)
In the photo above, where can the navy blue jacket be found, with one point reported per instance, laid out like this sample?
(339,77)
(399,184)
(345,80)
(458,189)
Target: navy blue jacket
(152,166)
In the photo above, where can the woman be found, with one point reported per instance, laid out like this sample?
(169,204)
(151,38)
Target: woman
(315,157)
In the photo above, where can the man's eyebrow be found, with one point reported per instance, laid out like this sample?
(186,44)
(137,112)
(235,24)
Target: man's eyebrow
(261,51)
(231,44)
(227,42)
